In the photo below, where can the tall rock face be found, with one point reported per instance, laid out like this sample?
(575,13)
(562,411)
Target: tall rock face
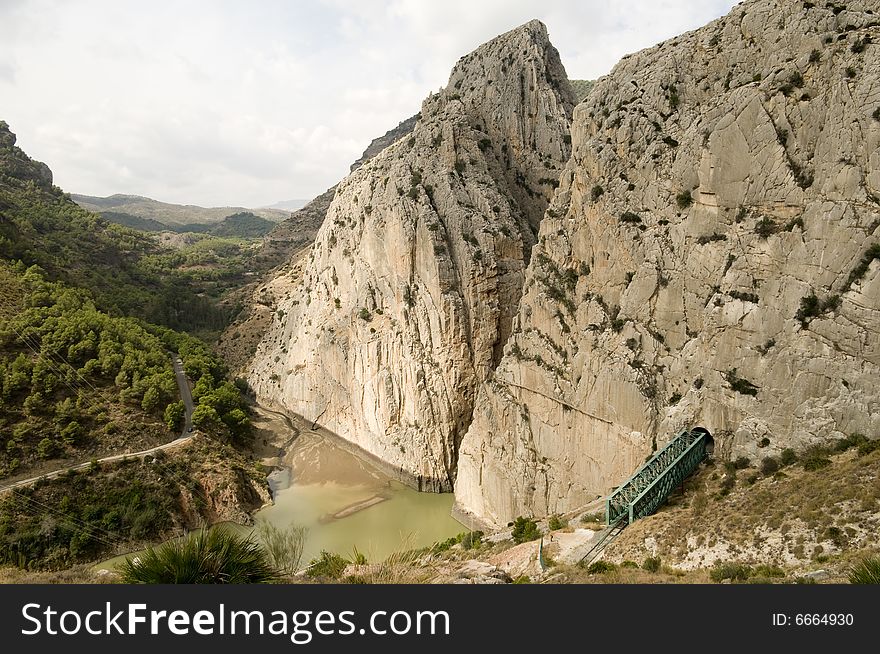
(710,258)
(415,277)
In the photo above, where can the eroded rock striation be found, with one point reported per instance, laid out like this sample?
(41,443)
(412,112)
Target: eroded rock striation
(710,258)
(416,274)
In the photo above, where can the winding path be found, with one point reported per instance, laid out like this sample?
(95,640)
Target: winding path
(185,436)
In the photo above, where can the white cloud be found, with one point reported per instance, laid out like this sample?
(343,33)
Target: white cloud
(244,103)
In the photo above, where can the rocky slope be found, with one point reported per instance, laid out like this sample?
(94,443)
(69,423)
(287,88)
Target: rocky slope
(710,258)
(392,136)
(413,283)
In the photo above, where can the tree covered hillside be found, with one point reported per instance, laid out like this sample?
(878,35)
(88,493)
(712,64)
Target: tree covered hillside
(41,225)
(76,382)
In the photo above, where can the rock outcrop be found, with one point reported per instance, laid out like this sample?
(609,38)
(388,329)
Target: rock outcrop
(414,280)
(16,164)
(389,138)
(710,258)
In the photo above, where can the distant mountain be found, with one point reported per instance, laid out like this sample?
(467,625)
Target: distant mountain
(244,224)
(582,88)
(167,213)
(135,222)
(288,205)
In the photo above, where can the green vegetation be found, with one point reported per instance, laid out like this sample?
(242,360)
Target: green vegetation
(600,567)
(811,307)
(327,565)
(859,45)
(125,270)
(744,296)
(711,238)
(866,571)
(525,529)
(765,227)
(651,564)
(740,385)
(731,571)
(769,466)
(556,522)
(71,374)
(815,458)
(84,515)
(469,540)
(630,217)
(684,199)
(597,191)
(209,556)
(284,547)
(859,271)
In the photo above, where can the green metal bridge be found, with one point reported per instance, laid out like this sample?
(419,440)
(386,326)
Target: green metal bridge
(644,492)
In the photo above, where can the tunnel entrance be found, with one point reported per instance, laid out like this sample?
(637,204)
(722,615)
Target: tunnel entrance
(710,442)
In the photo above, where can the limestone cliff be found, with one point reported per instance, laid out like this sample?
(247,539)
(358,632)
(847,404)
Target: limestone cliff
(411,288)
(710,258)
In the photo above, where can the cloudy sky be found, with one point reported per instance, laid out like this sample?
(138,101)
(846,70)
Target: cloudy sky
(247,103)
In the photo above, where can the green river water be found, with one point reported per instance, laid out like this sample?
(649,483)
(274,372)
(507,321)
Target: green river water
(346,503)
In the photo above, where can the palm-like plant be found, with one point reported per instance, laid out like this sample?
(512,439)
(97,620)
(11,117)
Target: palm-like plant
(209,556)
(866,572)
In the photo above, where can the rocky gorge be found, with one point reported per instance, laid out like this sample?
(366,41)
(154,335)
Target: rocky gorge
(521,299)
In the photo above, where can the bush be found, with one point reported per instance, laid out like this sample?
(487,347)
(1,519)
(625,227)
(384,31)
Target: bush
(732,571)
(876,114)
(684,199)
(765,227)
(597,191)
(868,446)
(711,238)
(471,540)
(556,522)
(787,457)
(859,271)
(327,565)
(741,463)
(866,572)
(210,556)
(769,571)
(815,458)
(601,567)
(727,484)
(740,385)
(174,415)
(853,440)
(630,217)
(284,547)
(651,564)
(525,529)
(769,466)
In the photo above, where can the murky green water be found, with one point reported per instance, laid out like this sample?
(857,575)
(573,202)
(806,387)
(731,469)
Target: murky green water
(347,503)
(327,487)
